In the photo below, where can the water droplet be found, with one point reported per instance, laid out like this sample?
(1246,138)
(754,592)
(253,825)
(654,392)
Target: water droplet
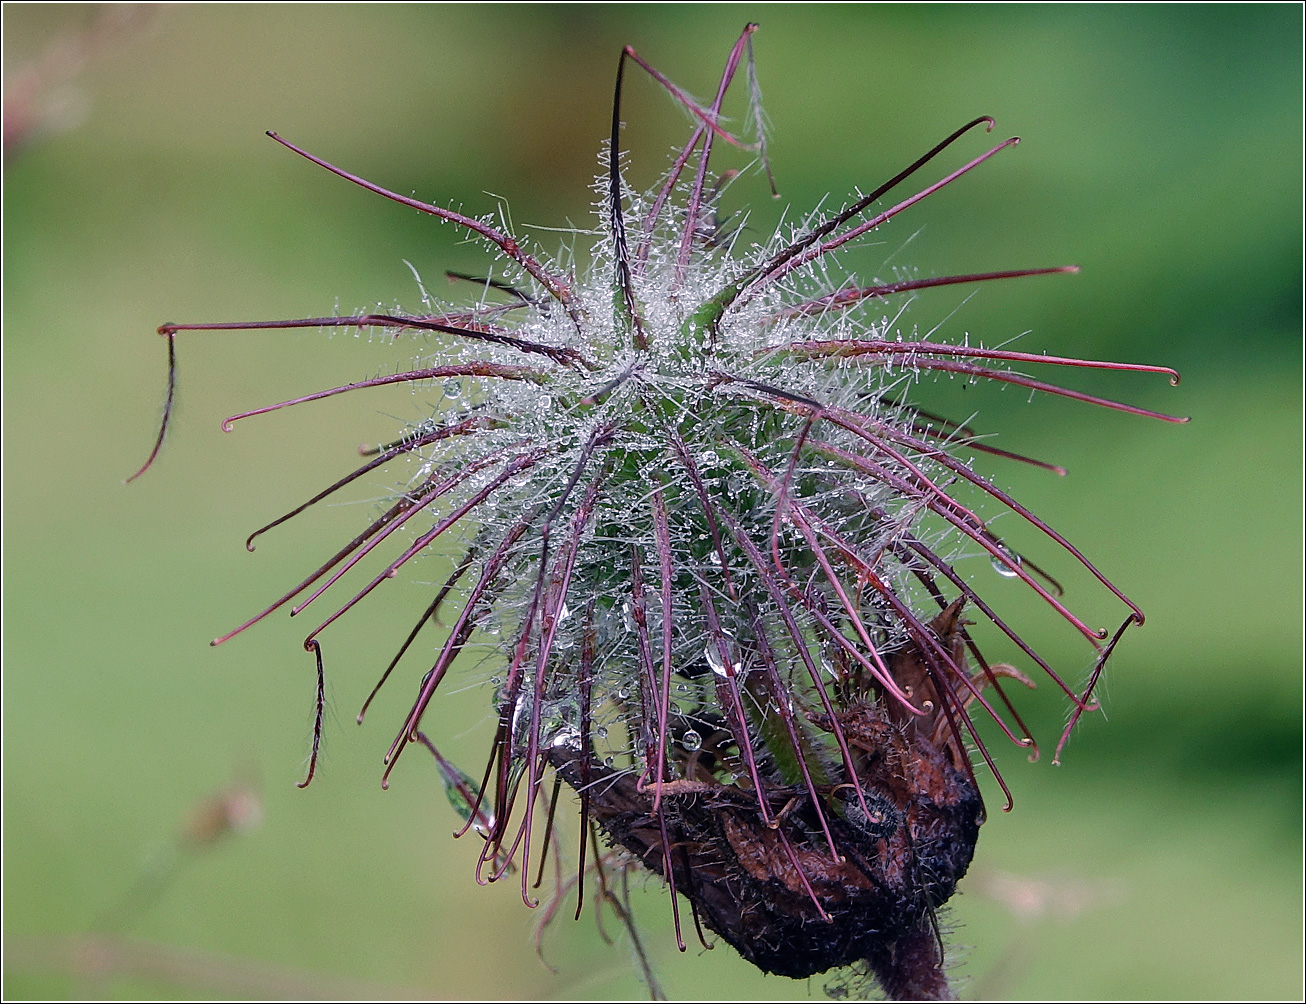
(709,459)
(601,732)
(712,653)
(692,741)
(453,387)
(1005,570)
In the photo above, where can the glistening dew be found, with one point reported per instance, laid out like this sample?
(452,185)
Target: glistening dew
(715,540)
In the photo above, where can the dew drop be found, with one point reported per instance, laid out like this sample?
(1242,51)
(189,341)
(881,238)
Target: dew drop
(1005,570)
(453,387)
(692,741)
(712,653)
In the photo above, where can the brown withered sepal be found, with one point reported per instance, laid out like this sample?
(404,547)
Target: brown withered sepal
(899,861)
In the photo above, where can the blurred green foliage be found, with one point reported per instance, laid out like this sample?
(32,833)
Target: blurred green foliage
(1162,152)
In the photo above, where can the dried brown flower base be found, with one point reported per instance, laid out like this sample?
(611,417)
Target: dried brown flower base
(774,891)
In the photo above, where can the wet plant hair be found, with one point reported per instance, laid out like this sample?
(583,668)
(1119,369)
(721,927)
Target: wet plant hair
(716,544)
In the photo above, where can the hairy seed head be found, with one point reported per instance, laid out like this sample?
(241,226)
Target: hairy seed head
(713,537)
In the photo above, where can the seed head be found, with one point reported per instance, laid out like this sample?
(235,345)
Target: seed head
(714,540)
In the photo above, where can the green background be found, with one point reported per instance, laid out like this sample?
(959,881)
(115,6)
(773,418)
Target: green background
(1161,151)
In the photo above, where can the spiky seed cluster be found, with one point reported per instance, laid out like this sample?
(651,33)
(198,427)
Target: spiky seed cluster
(715,545)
